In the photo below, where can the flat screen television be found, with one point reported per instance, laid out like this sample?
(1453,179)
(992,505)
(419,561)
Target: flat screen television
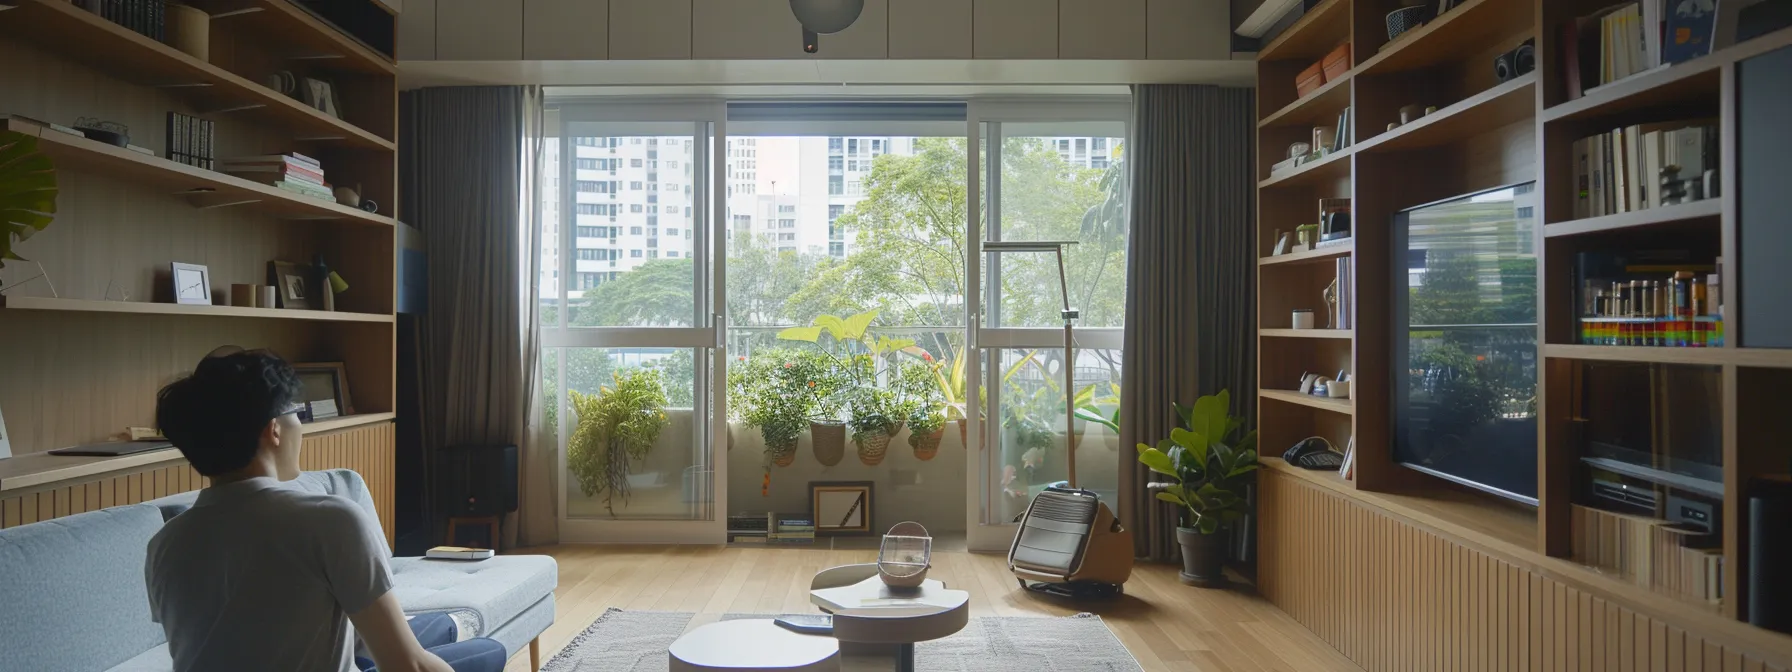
(1465,340)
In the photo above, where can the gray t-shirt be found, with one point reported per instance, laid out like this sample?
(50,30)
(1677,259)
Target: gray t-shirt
(258,576)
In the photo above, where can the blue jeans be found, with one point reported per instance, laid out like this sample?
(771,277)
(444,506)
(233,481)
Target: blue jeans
(436,633)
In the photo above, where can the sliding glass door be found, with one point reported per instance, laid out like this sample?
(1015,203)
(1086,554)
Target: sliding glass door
(628,322)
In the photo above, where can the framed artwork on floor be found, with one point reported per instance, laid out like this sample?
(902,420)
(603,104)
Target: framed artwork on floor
(841,507)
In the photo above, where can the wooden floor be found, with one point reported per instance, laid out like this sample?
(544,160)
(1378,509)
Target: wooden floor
(1166,625)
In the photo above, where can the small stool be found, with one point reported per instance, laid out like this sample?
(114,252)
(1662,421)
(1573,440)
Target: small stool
(752,645)
(490,523)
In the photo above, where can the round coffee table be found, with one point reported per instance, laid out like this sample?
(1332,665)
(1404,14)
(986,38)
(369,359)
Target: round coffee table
(870,612)
(752,645)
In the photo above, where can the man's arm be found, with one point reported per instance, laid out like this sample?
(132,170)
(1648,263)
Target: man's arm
(395,649)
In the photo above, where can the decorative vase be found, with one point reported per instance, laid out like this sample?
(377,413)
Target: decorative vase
(1202,557)
(873,445)
(927,445)
(782,455)
(828,439)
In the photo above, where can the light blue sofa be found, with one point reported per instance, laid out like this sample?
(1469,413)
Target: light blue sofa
(72,595)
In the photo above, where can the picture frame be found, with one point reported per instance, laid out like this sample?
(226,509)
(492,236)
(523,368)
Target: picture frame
(842,508)
(5,439)
(1281,247)
(293,284)
(320,94)
(325,382)
(190,284)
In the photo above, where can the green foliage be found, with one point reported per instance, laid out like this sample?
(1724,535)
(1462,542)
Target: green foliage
(27,192)
(618,424)
(1088,407)
(1206,462)
(656,294)
(927,408)
(771,394)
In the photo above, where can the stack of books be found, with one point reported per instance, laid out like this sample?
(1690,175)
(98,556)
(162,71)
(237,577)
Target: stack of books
(1621,170)
(145,17)
(749,528)
(1635,37)
(790,528)
(293,172)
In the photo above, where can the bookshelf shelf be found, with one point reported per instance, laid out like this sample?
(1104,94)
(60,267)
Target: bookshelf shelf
(146,308)
(298,32)
(1341,334)
(75,152)
(1463,30)
(1708,210)
(1698,79)
(1292,397)
(1312,256)
(345,422)
(1333,166)
(1319,108)
(1506,104)
(1314,34)
(70,31)
(1620,353)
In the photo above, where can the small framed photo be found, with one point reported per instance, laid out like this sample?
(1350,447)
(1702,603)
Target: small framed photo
(5,440)
(841,507)
(192,284)
(325,389)
(292,284)
(1281,244)
(321,95)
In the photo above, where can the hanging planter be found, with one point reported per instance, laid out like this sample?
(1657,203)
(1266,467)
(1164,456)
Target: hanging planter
(927,445)
(782,454)
(875,444)
(828,440)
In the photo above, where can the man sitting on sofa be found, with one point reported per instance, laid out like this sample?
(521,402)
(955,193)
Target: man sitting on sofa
(257,576)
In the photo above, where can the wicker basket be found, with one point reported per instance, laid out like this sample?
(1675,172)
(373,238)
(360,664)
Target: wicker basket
(782,455)
(828,441)
(874,445)
(927,445)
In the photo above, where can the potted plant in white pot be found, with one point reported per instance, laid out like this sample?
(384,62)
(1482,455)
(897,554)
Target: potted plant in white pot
(1207,463)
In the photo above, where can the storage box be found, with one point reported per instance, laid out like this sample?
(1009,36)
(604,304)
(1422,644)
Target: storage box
(1336,63)
(1309,80)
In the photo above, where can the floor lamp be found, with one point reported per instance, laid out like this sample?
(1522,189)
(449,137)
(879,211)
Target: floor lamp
(1070,315)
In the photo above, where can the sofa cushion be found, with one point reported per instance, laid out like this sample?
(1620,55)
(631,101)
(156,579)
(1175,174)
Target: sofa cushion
(154,660)
(340,482)
(72,591)
(497,589)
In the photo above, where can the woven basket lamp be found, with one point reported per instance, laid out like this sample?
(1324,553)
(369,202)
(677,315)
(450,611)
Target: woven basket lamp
(905,555)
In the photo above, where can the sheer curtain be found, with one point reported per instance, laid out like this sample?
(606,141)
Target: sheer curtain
(537,510)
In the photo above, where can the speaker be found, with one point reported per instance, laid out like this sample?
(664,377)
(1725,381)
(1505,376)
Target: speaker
(476,480)
(1769,588)
(1515,63)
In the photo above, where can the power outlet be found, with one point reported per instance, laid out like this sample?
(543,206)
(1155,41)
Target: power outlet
(905,477)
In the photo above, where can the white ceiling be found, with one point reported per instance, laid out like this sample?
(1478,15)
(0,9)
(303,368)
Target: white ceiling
(739,76)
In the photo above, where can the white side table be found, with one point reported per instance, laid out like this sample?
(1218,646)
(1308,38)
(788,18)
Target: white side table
(752,645)
(872,613)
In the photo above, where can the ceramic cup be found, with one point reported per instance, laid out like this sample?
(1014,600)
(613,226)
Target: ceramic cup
(268,299)
(1303,319)
(1338,389)
(1410,113)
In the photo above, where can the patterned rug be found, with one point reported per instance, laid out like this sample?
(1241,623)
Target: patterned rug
(636,641)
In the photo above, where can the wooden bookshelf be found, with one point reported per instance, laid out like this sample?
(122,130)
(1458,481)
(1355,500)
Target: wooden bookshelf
(1312,256)
(1500,106)
(1465,28)
(1313,35)
(93,327)
(1698,79)
(204,188)
(1319,108)
(1343,334)
(1330,167)
(1708,210)
(1294,397)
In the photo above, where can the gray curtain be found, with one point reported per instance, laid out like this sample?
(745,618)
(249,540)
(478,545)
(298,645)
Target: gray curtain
(1191,275)
(462,174)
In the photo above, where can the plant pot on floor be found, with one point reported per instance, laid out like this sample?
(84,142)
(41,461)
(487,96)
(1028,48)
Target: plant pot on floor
(873,445)
(1202,557)
(927,445)
(782,454)
(828,439)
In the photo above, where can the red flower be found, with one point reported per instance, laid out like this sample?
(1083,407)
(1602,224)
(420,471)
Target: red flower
(743,358)
(926,357)
(789,364)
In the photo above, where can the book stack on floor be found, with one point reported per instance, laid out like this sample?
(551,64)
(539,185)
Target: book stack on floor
(1632,38)
(1622,170)
(790,528)
(749,528)
(294,172)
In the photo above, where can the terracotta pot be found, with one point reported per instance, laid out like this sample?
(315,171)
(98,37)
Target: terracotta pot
(874,445)
(828,439)
(927,445)
(782,455)
(964,429)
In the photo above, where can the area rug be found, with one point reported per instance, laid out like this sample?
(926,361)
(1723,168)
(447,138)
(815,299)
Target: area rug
(636,641)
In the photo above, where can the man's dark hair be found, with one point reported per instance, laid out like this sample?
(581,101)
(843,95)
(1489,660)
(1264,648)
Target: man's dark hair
(215,416)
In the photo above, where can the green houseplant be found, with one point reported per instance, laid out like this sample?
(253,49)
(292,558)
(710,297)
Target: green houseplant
(1207,462)
(772,398)
(616,425)
(927,409)
(1088,408)
(27,192)
(875,413)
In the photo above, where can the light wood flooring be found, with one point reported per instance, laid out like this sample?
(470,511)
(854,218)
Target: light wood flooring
(1166,625)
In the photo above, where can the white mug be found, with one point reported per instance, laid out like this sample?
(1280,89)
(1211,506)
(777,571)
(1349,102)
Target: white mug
(1338,389)
(1303,319)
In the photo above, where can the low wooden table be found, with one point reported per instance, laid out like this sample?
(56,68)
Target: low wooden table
(752,645)
(869,612)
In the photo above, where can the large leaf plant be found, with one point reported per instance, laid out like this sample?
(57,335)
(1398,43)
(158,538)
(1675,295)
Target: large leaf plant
(1207,462)
(27,192)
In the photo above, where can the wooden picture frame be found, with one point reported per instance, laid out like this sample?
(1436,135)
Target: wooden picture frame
(292,283)
(320,94)
(190,284)
(842,508)
(1281,244)
(5,440)
(325,381)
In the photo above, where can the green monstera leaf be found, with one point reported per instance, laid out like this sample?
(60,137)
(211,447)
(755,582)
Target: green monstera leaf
(27,192)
